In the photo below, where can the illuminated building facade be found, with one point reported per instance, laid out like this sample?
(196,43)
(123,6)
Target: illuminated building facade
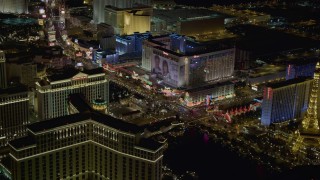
(99,7)
(128,21)
(295,70)
(180,62)
(285,101)
(14,113)
(130,43)
(85,145)
(97,55)
(14,6)
(53,91)
(310,122)
(100,105)
(101,57)
(3,72)
(213,92)
(188,21)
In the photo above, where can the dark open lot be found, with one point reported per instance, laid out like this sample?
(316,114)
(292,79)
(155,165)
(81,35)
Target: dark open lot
(263,41)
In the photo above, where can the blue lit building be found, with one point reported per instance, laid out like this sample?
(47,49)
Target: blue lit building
(104,56)
(97,55)
(131,43)
(295,70)
(178,43)
(287,100)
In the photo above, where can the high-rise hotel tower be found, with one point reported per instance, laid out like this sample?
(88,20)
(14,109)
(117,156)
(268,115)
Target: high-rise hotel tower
(85,145)
(14,107)
(284,101)
(14,113)
(99,7)
(53,91)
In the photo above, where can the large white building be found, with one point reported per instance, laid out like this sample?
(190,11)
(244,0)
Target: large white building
(85,145)
(14,6)
(99,7)
(53,91)
(183,63)
(129,20)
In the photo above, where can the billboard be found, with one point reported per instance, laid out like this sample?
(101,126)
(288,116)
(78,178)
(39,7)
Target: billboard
(165,69)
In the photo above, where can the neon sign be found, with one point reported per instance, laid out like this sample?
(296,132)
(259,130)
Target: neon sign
(165,53)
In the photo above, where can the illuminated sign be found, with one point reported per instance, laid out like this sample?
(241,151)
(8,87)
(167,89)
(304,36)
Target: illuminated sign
(79,54)
(79,64)
(62,11)
(42,11)
(165,53)
(40,22)
(52,36)
(51,44)
(254,87)
(79,78)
